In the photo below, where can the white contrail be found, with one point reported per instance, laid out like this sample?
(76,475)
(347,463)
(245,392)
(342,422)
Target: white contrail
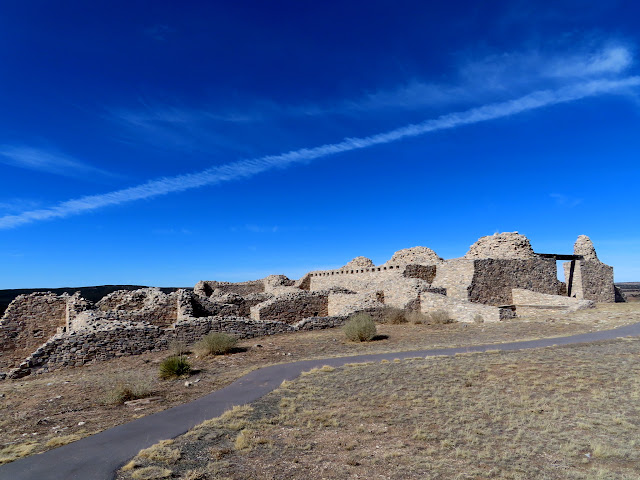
(251,167)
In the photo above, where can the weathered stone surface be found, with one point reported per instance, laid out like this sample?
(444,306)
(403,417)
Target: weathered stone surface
(415,255)
(359,262)
(507,245)
(530,303)
(584,246)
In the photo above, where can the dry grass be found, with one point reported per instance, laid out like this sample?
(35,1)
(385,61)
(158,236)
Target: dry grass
(41,407)
(9,453)
(553,413)
(64,439)
(124,387)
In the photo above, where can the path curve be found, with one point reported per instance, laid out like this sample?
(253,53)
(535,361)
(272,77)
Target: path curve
(99,456)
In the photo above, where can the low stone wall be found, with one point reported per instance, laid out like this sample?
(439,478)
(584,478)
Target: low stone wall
(292,307)
(462,311)
(65,350)
(207,287)
(530,303)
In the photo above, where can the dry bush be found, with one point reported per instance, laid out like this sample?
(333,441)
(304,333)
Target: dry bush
(415,317)
(178,348)
(438,317)
(394,316)
(123,388)
(360,328)
(160,452)
(216,344)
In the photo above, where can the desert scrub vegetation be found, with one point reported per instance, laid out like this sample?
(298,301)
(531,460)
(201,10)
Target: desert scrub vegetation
(125,387)
(216,344)
(360,328)
(553,413)
(438,317)
(13,451)
(174,367)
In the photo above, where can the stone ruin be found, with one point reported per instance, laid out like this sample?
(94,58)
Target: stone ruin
(499,277)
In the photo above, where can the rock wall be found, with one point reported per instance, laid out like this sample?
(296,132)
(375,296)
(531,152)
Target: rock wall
(292,307)
(398,289)
(592,280)
(530,303)
(494,279)
(507,245)
(206,288)
(462,311)
(455,276)
(144,305)
(65,350)
(28,322)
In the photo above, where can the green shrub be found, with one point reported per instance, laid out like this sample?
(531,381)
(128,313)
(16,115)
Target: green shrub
(172,367)
(216,344)
(360,328)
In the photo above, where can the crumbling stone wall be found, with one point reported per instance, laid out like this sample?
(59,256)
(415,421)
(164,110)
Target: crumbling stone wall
(292,307)
(530,303)
(507,245)
(144,305)
(206,287)
(462,311)
(592,279)
(28,322)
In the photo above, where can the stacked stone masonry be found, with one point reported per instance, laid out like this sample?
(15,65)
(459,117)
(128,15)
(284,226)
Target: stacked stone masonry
(499,277)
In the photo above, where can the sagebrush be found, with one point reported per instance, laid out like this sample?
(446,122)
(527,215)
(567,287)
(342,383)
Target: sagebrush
(216,344)
(360,328)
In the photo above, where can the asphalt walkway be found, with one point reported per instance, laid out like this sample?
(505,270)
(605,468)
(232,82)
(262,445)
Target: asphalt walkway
(99,456)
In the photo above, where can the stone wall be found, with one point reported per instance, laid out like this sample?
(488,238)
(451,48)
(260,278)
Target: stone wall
(530,303)
(592,280)
(455,276)
(398,289)
(292,307)
(494,279)
(206,288)
(28,322)
(347,303)
(462,311)
(144,305)
(65,350)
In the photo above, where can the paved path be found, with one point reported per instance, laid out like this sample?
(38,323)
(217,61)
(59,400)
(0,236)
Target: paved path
(99,456)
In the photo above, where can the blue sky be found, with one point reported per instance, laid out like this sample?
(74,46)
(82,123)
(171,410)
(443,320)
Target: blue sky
(161,143)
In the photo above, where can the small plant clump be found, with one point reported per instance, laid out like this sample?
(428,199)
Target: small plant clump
(395,316)
(126,387)
(174,367)
(216,344)
(439,317)
(360,328)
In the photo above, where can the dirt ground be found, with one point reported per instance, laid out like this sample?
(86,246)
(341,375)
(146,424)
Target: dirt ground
(553,413)
(40,412)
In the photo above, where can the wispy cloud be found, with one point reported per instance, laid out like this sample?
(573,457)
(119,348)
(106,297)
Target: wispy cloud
(251,167)
(563,200)
(47,161)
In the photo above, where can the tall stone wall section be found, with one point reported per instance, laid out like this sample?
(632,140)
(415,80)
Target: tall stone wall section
(455,276)
(493,279)
(28,322)
(144,305)
(592,280)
